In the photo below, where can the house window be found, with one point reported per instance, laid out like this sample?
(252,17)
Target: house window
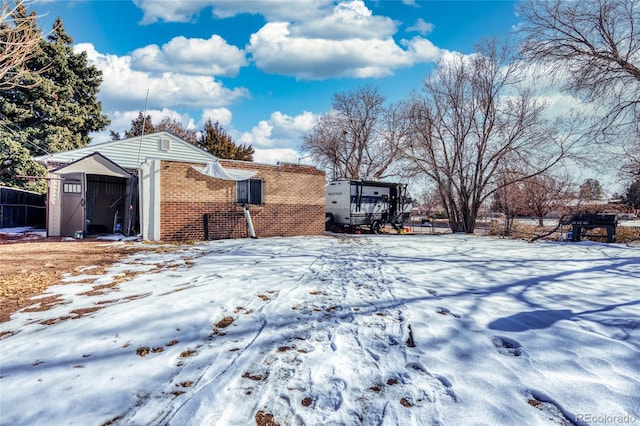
(249,191)
(165,144)
(72,188)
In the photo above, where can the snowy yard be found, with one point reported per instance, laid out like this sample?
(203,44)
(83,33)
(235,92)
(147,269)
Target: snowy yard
(316,331)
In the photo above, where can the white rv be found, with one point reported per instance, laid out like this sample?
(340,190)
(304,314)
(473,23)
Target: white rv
(354,203)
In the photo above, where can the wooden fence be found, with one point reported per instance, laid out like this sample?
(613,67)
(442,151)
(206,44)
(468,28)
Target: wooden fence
(21,208)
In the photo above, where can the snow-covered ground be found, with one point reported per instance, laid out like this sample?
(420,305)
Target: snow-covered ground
(388,329)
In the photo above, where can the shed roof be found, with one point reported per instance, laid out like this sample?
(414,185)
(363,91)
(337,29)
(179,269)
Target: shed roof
(95,164)
(130,153)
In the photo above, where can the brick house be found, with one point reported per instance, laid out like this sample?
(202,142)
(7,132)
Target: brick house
(284,200)
(164,188)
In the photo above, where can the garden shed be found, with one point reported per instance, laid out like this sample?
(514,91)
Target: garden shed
(164,188)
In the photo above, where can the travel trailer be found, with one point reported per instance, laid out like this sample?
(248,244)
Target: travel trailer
(352,204)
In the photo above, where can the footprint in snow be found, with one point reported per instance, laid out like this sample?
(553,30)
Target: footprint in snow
(425,387)
(332,399)
(507,346)
(550,409)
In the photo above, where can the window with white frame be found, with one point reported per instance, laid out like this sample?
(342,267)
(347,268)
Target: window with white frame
(72,188)
(249,191)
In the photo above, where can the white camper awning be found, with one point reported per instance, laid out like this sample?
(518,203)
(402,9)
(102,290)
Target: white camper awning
(215,170)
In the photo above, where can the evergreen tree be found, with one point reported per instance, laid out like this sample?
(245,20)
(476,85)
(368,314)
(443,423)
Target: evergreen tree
(632,197)
(168,124)
(175,126)
(15,161)
(139,123)
(115,136)
(56,111)
(215,140)
(591,190)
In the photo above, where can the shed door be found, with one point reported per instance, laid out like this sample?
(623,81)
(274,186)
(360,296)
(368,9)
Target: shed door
(73,201)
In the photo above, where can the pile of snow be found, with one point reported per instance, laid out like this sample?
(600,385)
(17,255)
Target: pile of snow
(389,329)
(22,233)
(30,233)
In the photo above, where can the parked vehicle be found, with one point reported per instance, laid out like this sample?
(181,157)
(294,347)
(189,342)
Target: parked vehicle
(351,204)
(426,223)
(626,216)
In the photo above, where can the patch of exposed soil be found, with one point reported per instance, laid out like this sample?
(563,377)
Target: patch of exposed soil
(265,419)
(28,268)
(224,322)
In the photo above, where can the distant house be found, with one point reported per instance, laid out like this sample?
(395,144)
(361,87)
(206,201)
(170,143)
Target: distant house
(164,188)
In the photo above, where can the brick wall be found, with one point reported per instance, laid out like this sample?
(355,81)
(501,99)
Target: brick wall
(294,202)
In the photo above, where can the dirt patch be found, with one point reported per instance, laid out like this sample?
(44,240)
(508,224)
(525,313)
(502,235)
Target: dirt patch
(188,353)
(265,419)
(143,351)
(28,268)
(405,403)
(534,402)
(255,377)
(224,322)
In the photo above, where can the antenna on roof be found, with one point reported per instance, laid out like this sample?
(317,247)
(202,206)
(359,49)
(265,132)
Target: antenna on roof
(144,119)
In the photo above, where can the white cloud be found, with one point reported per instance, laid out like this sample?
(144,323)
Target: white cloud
(275,155)
(421,26)
(187,10)
(422,50)
(308,39)
(276,51)
(273,10)
(348,20)
(169,11)
(280,130)
(222,115)
(124,88)
(190,56)
(259,136)
(286,125)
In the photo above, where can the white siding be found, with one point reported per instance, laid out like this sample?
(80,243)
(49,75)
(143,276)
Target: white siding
(54,206)
(132,152)
(150,200)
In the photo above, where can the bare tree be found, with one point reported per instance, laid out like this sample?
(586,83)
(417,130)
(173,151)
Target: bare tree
(393,135)
(508,199)
(594,48)
(536,196)
(545,193)
(359,137)
(19,42)
(472,126)
(327,146)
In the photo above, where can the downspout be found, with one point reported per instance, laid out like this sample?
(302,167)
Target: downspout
(247,216)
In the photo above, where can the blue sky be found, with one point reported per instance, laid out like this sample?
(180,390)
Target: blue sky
(264,68)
